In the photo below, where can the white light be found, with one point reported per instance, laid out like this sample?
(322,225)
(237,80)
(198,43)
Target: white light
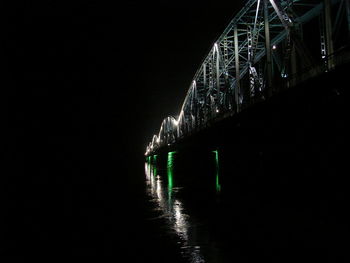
(217,110)
(216,47)
(181,224)
(274,47)
(159,189)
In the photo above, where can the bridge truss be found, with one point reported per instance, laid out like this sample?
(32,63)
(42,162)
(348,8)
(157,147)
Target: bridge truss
(270,45)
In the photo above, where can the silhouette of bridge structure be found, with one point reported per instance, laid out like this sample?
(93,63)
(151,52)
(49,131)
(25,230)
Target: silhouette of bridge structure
(268,47)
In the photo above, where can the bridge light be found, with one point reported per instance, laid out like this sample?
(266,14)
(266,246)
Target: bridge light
(216,46)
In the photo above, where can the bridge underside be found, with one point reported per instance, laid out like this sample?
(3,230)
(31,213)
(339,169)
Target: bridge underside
(313,114)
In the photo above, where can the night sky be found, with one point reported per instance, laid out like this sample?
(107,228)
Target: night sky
(85,85)
(90,67)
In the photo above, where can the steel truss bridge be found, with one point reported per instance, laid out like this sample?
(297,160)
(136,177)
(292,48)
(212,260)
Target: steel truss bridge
(269,46)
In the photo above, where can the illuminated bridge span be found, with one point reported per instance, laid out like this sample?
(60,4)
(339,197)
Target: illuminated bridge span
(269,46)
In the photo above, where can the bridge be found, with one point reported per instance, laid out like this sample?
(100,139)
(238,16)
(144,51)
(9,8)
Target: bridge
(268,47)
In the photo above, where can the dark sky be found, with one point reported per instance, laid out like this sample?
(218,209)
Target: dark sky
(88,82)
(86,68)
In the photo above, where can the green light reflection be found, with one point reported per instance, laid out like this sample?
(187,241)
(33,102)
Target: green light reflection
(170,170)
(217,181)
(154,165)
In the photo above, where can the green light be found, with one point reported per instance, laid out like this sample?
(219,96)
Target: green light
(217,181)
(148,163)
(218,186)
(154,165)
(155,158)
(170,170)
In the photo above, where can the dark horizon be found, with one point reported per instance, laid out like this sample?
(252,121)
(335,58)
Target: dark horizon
(134,62)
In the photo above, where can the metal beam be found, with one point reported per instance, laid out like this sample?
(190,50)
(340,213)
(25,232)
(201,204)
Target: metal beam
(237,88)
(205,75)
(323,41)
(216,50)
(250,63)
(285,20)
(328,33)
(268,47)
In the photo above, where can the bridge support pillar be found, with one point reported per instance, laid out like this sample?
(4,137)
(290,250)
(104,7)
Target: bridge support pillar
(293,66)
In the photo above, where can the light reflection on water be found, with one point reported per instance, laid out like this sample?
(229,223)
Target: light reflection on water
(171,207)
(257,206)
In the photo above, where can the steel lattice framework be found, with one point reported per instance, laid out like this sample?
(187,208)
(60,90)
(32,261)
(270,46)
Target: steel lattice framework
(268,46)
